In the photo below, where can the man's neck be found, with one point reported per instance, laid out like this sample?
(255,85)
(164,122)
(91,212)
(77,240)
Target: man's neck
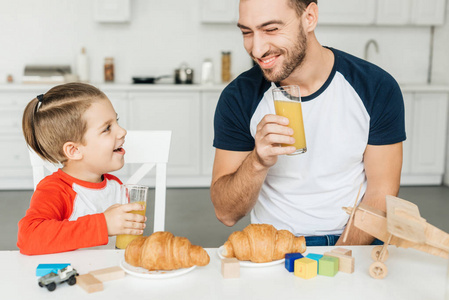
(314,71)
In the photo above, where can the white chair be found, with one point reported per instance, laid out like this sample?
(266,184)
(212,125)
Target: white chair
(149,148)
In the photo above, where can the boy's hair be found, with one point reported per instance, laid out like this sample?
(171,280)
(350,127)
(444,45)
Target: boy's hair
(52,119)
(301,5)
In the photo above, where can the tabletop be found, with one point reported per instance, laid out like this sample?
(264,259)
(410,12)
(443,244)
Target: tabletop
(411,275)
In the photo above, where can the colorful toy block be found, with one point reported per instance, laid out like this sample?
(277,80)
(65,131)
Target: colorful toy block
(290,260)
(342,251)
(328,266)
(230,268)
(305,268)
(345,262)
(89,283)
(316,257)
(44,269)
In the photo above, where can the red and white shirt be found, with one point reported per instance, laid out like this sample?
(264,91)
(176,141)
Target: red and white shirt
(66,214)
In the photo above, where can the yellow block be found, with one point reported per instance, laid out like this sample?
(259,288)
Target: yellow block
(306,268)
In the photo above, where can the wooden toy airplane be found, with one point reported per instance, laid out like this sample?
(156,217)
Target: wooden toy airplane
(401,226)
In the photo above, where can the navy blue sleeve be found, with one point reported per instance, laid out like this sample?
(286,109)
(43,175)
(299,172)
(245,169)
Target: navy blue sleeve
(387,115)
(234,111)
(232,128)
(381,96)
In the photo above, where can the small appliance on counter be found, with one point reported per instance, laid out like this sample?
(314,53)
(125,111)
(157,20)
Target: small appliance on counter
(47,74)
(184,75)
(207,72)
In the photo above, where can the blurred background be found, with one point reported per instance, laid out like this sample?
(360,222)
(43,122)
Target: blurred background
(192,49)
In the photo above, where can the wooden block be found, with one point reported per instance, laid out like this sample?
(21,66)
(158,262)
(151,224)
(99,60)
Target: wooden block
(290,260)
(316,257)
(342,251)
(328,266)
(107,274)
(89,283)
(230,268)
(305,268)
(346,263)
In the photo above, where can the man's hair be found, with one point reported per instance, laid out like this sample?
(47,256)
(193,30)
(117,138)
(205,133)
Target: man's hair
(301,5)
(52,119)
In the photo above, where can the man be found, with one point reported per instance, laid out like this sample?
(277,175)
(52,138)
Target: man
(354,122)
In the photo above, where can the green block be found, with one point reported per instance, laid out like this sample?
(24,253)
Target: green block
(328,266)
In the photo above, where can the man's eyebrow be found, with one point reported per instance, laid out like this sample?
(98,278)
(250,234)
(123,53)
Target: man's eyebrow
(278,22)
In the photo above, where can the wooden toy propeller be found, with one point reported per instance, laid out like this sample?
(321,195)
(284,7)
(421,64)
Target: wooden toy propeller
(347,209)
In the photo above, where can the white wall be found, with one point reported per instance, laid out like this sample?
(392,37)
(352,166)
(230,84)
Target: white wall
(160,36)
(163,34)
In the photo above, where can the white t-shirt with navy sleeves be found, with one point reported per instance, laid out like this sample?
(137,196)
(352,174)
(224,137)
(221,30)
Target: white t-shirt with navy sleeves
(360,104)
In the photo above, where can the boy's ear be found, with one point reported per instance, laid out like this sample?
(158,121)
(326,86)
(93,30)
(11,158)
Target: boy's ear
(72,151)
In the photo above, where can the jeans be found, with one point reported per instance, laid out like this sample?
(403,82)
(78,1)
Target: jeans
(330,240)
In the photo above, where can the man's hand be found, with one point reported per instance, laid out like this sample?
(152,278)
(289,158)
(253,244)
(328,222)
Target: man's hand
(272,131)
(120,220)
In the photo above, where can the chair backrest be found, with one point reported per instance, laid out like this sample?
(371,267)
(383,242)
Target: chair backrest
(146,147)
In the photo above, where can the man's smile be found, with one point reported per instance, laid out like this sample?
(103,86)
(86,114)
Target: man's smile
(267,63)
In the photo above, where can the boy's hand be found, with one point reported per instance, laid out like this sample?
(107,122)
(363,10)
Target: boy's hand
(120,220)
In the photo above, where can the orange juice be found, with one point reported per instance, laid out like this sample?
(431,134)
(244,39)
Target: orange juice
(124,239)
(293,112)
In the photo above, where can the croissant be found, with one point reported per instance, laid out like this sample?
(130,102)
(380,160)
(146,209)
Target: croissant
(262,243)
(163,251)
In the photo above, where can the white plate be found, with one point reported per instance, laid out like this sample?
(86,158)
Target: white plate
(249,264)
(144,273)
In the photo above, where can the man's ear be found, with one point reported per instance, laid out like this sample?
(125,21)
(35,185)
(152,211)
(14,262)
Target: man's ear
(311,17)
(72,151)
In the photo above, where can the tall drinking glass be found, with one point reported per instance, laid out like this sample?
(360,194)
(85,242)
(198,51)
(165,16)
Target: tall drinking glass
(132,193)
(287,103)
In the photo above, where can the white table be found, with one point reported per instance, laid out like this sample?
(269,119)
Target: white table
(412,275)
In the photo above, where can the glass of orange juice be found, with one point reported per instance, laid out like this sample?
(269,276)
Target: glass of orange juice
(287,103)
(132,193)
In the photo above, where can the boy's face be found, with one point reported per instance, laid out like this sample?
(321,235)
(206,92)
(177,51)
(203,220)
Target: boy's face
(102,150)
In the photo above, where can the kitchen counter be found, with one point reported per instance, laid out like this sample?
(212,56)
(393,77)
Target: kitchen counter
(189,87)
(411,275)
(121,87)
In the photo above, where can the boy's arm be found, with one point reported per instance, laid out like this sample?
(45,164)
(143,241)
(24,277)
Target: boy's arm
(46,228)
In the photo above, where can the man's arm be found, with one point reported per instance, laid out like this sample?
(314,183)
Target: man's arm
(383,166)
(236,182)
(238,176)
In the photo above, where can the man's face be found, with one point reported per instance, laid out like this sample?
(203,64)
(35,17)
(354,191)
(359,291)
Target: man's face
(273,36)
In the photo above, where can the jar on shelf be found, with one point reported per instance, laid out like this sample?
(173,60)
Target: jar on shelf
(109,69)
(226,66)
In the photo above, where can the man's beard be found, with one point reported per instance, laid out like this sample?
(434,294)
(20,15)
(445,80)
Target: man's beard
(296,58)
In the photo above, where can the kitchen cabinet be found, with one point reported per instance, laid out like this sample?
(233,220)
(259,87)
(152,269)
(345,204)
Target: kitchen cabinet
(353,12)
(219,11)
(180,108)
(393,12)
(347,12)
(15,167)
(428,12)
(208,105)
(178,112)
(188,110)
(425,147)
(382,12)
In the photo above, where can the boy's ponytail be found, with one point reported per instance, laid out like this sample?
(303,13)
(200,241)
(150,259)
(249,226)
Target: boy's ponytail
(28,127)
